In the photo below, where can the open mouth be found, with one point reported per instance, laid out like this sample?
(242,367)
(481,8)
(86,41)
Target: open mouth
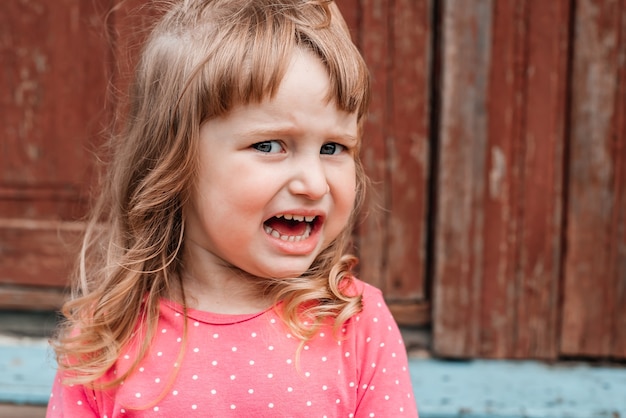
(292,228)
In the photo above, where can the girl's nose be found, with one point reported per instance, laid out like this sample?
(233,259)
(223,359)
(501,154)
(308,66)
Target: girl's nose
(309,179)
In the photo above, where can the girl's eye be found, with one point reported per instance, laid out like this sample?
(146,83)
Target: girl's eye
(268,146)
(332,148)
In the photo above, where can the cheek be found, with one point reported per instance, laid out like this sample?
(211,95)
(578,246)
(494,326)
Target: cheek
(345,193)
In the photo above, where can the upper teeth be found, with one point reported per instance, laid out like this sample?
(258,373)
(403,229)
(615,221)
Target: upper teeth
(298,218)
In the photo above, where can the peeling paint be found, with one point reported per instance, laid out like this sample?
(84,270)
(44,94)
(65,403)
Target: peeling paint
(497,172)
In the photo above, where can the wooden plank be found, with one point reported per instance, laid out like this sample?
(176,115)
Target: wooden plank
(31,297)
(408,162)
(372,239)
(594,310)
(539,250)
(37,253)
(412,313)
(500,190)
(461,184)
(53,110)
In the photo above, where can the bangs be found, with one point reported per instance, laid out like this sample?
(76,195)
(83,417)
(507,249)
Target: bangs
(248,46)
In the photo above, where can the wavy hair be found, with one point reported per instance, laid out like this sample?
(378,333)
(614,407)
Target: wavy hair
(201,59)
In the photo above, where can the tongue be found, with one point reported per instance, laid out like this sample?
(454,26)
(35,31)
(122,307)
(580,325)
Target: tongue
(286,227)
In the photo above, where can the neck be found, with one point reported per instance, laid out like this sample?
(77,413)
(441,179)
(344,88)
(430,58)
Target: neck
(211,284)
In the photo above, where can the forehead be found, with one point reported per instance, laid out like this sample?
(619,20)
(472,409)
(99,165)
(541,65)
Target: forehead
(300,107)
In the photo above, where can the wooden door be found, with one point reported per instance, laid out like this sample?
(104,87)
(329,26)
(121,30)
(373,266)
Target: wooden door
(53,82)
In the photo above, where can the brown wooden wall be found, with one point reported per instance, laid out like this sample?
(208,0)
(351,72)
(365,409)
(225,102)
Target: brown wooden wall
(496,142)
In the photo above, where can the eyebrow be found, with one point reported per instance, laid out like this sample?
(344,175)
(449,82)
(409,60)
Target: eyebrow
(287,131)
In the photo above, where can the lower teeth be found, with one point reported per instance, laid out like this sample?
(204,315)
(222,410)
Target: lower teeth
(290,238)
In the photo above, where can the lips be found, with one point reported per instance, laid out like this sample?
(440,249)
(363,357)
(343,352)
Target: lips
(291,227)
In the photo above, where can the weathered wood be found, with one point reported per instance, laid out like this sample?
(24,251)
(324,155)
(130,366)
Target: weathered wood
(411,313)
(52,110)
(594,310)
(461,181)
(31,298)
(372,239)
(37,253)
(407,136)
(51,114)
(499,219)
(395,40)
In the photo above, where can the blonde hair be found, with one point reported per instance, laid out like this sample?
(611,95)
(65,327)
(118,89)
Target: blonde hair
(201,59)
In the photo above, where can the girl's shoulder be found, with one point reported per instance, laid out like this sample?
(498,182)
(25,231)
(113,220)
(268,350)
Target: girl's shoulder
(373,302)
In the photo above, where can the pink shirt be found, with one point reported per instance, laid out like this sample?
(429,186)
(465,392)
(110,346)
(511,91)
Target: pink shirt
(245,366)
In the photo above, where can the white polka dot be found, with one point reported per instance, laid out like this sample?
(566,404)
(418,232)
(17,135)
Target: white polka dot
(375,319)
(233,377)
(372,387)
(175,393)
(233,407)
(308,403)
(251,362)
(351,384)
(372,414)
(137,395)
(213,391)
(163,330)
(368,339)
(306,347)
(196,324)
(271,347)
(401,409)
(270,375)
(288,361)
(195,350)
(382,344)
(379,304)
(289,389)
(214,362)
(160,353)
(273,321)
(307,374)
(141,369)
(250,391)
(373,364)
(194,377)
(179,339)
(234,349)
(156,409)
(216,335)
(386,397)
(123,411)
(393,354)
(79,402)
(126,357)
(322,334)
(365,386)
(253,334)
(324,387)
(194,406)
(338,401)
(157,380)
(347,354)
(270,405)
(324,358)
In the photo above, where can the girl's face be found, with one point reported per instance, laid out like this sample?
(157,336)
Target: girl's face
(276,180)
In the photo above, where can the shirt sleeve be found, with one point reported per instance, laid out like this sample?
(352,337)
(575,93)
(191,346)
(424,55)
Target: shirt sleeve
(70,400)
(384,381)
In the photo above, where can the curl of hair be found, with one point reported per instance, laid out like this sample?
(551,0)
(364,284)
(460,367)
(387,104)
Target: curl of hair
(202,58)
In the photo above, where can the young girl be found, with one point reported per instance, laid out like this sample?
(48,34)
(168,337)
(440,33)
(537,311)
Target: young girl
(214,279)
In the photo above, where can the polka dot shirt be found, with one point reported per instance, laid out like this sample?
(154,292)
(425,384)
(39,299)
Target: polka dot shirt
(246,366)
